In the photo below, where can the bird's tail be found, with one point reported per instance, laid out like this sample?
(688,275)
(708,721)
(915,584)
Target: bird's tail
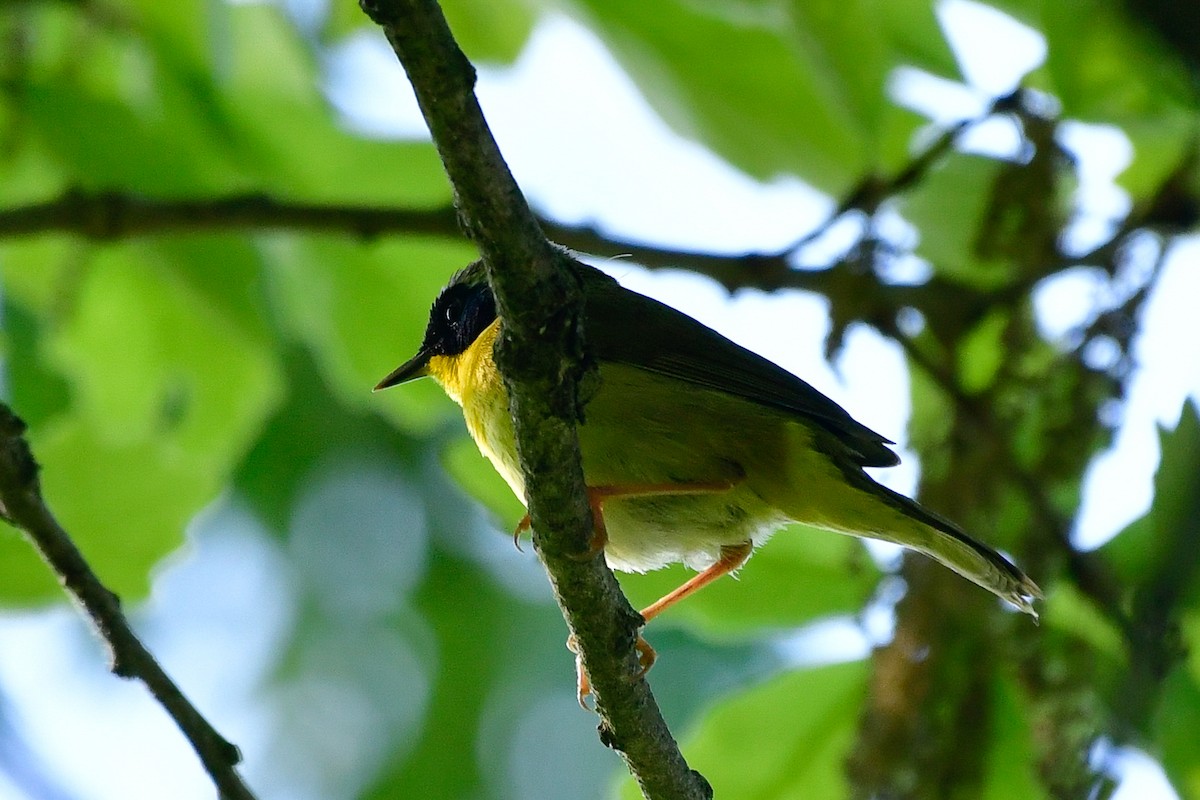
(833,492)
(937,537)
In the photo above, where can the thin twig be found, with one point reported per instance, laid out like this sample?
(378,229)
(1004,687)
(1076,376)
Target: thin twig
(22,505)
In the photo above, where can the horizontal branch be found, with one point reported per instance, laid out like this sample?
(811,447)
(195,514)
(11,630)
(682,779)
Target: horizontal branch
(21,504)
(105,215)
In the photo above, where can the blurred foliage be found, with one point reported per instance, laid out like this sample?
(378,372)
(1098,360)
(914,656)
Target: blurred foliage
(812,715)
(163,373)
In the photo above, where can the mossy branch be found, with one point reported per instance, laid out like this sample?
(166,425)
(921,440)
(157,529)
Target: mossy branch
(541,357)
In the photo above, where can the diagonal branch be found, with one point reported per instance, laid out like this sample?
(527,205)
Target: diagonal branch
(21,504)
(542,358)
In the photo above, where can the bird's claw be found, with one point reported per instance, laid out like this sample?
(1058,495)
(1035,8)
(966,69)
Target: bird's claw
(522,526)
(583,684)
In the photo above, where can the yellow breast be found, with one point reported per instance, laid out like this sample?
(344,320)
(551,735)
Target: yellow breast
(471,380)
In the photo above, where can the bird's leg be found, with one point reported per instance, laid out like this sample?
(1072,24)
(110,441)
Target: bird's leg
(732,557)
(583,684)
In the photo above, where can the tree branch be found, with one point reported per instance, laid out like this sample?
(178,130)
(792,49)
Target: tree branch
(21,504)
(542,359)
(103,215)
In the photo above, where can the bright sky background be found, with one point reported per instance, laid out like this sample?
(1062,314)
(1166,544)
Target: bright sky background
(601,157)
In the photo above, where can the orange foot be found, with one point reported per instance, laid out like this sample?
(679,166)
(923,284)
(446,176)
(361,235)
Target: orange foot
(646,659)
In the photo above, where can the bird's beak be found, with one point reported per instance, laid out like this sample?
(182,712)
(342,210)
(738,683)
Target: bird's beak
(415,367)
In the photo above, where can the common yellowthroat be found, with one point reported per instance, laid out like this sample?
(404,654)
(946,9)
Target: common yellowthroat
(694,449)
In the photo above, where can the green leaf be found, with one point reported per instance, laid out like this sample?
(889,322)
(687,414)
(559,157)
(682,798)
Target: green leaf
(313,159)
(343,20)
(476,475)
(931,423)
(853,45)
(124,503)
(982,353)
(121,149)
(1162,545)
(1092,45)
(1105,67)
(800,575)
(188,32)
(149,355)
(302,432)
(486,30)
(36,389)
(849,52)
(362,310)
(777,99)
(1072,613)
(1160,144)
(168,382)
(490,30)
(272,78)
(1176,509)
(267,56)
(125,104)
(915,35)
(27,579)
(31,172)
(787,738)
(948,207)
(1190,627)
(1175,728)
(1010,760)
(798,87)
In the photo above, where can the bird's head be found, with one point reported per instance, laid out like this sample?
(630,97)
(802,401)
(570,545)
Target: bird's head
(462,311)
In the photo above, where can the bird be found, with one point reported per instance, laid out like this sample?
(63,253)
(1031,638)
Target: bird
(694,449)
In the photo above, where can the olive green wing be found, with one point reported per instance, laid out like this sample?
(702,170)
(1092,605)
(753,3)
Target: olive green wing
(633,329)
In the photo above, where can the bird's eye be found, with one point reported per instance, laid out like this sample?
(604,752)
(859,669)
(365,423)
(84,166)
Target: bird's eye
(458,316)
